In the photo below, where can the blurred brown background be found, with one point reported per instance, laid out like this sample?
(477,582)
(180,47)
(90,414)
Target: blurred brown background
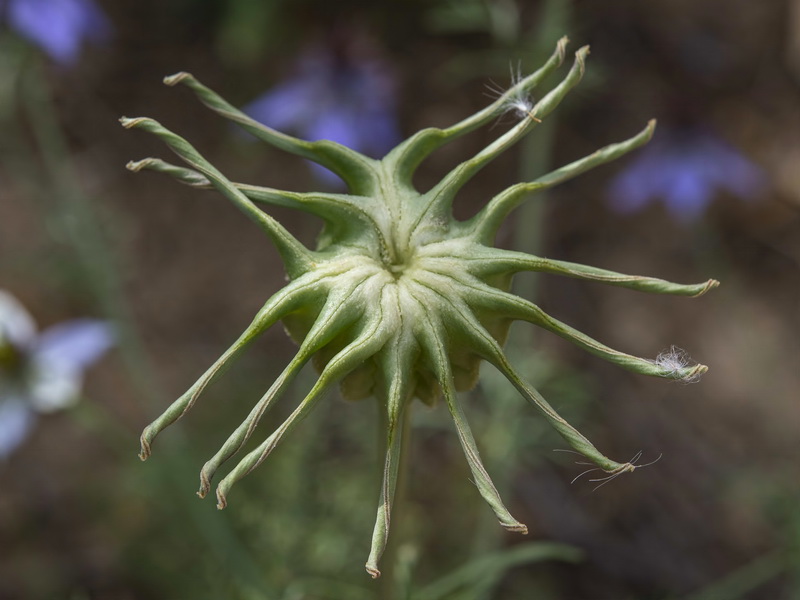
(183,273)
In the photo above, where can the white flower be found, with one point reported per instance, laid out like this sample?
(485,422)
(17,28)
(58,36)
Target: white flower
(41,372)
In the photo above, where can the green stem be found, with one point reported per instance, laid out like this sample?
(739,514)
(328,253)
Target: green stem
(391,588)
(746,579)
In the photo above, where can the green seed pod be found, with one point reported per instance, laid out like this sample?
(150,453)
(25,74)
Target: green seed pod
(401,300)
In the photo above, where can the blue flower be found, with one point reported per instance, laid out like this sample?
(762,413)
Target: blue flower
(340,97)
(685,170)
(41,373)
(59,27)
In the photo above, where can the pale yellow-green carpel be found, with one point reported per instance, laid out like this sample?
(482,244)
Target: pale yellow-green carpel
(400,300)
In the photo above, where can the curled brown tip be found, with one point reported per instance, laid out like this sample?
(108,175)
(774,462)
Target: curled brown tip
(138,165)
(651,128)
(144,453)
(205,485)
(222,501)
(580,59)
(176,78)
(517,528)
(710,285)
(129,123)
(373,571)
(561,48)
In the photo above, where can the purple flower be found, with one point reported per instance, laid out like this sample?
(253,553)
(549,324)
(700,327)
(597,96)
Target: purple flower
(685,170)
(340,97)
(41,373)
(59,27)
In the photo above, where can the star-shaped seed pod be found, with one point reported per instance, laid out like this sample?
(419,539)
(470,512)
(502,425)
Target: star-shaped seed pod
(400,300)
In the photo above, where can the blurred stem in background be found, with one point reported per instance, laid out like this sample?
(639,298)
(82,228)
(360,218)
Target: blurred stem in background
(68,211)
(781,496)
(741,582)
(44,171)
(395,580)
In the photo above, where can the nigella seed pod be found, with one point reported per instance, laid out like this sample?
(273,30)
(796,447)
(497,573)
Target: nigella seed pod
(400,300)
